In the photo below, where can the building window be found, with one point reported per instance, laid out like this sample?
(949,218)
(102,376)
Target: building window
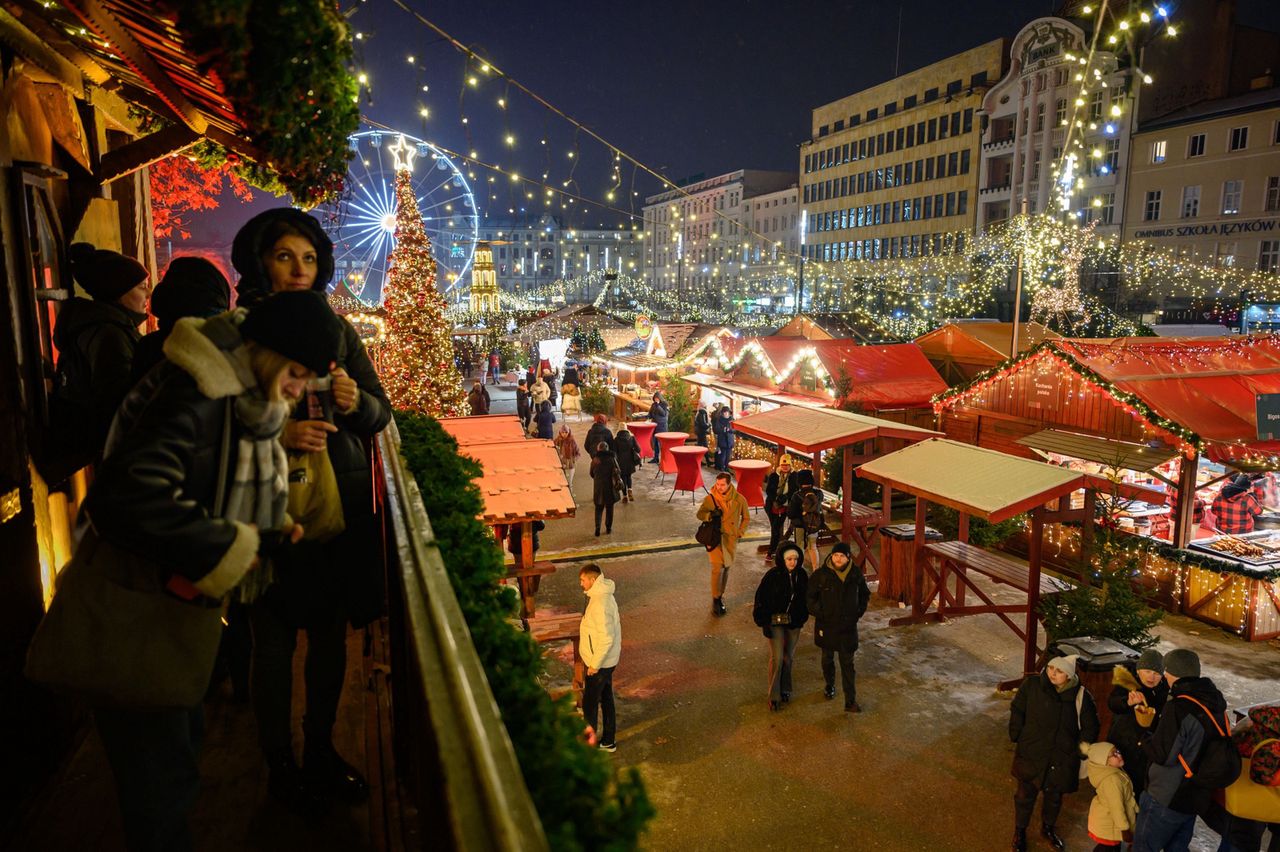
(1112,158)
(1195,145)
(1107,210)
(1095,106)
(909,101)
(1269,256)
(1158,151)
(1060,112)
(1190,202)
(1225,254)
(1151,212)
(1039,117)
(1275,137)
(1239,138)
(890,109)
(1035,165)
(1231,192)
(930,95)
(1273,194)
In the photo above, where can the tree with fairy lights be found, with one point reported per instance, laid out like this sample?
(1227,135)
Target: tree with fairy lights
(418,370)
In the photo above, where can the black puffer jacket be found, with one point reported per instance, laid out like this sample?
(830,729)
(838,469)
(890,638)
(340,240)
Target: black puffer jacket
(627,452)
(1125,733)
(780,591)
(1043,724)
(603,468)
(836,607)
(658,413)
(597,433)
(98,339)
(342,572)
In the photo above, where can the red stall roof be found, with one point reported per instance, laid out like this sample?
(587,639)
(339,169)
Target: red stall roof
(521,479)
(1199,390)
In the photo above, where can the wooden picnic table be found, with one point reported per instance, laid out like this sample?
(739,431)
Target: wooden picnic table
(527,579)
(555,628)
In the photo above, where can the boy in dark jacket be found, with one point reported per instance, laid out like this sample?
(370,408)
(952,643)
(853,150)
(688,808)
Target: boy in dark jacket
(1138,694)
(1051,716)
(1168,806)
(837,597)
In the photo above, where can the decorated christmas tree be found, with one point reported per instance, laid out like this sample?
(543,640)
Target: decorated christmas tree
(418,369)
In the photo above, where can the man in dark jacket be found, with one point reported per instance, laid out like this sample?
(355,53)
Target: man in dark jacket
(322,586)
(1168,806)
(837,597)
(191,287)
(598,433)
(777,502)
(722,425)
(701,425)
(658,413)
(1050,717)
(524,408)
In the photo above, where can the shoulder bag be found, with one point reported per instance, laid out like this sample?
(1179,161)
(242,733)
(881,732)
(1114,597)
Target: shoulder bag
(116,635)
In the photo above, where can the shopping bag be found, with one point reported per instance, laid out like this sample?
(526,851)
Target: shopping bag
(314,500)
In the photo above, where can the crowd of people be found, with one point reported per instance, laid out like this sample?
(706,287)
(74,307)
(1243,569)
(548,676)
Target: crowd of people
(231,452)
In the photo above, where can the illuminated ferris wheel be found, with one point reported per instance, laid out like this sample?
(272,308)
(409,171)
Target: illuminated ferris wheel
(362,222)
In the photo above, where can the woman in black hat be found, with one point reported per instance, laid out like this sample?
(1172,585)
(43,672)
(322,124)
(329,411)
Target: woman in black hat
(155,494)
(190,287)
(323,586)
(96,339)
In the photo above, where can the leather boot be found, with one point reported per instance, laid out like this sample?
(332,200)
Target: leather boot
(1051,837)
(1019,840)
(717,607)
(332,775)
(290,787)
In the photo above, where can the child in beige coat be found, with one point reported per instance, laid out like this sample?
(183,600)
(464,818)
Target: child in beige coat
(1114,810)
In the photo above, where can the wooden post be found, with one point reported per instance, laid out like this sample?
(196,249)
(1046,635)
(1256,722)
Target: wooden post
(1035,546)
(917,571)
(1184,507)
(1086,528)
(528,585)
(962,534)
(846,513)
(817,469)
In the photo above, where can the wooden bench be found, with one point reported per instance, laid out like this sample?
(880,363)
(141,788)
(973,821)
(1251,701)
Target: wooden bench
(997,566)
(556,628)
(528,580)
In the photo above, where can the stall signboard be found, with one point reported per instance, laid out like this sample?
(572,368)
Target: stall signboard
(644,327)
(1042,391)
(1268,408)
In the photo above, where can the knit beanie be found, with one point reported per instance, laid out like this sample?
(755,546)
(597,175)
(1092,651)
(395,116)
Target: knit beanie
(1151,660)
(1182,662)
(842,547)
(1065,664)
(299,325)
(104,274)
(1099,753)
(191,287)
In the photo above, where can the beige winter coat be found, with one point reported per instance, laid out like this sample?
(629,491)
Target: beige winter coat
(1113,809)
(735,516)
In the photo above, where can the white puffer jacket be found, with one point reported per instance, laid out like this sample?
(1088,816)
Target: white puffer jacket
(600,636)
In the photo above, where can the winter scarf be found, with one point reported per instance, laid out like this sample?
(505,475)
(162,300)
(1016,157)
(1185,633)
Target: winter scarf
(214,354)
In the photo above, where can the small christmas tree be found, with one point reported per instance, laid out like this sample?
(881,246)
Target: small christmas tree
(595,341)
(418,369)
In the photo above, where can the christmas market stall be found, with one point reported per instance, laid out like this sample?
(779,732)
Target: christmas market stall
(982,484)
(961,349)
(522,484)
(1173,416)
(891,381)
(813,431)
(632,371)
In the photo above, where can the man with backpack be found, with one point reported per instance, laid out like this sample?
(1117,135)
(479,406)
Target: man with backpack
(1191,755)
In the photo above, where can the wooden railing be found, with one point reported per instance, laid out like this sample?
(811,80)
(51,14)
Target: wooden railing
(454,759)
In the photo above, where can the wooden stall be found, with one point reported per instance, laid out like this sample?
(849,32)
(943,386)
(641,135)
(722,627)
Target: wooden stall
(1176,416)
(962,349)
(816,430)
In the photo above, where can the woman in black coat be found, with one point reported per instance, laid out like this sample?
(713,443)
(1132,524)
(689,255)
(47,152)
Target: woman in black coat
(604,489)
(599,432)
(658,413)
(546,421)
(325,585)
(1140,685)
(627,452)
(156,492)
(1050,717)
(781,593)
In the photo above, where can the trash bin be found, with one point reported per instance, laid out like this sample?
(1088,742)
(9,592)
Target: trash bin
(1096,656)
(897,557)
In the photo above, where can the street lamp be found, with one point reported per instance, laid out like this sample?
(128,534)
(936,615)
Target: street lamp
(804,230)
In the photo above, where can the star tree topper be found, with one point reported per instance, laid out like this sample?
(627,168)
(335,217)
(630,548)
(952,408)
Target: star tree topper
(403,153)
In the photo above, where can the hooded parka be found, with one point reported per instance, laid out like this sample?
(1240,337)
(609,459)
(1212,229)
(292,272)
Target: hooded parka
(781,591)
(1043,724)
(836,606)
(1114,810)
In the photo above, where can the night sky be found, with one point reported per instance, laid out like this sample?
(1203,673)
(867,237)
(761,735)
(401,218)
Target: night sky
(686,88)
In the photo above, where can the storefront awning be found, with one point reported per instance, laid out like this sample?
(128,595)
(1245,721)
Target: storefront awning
(814,429)
(1117,454)
(521,479)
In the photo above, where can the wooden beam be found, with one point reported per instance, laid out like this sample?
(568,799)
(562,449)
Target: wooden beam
(15,33)
(1034,549)
(104,24)
(141,153)
(1184,507)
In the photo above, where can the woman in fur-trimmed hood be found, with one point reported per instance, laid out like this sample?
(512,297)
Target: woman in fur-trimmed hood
(155,494)
(1138,695)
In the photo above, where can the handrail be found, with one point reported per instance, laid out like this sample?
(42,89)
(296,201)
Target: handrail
(451,744)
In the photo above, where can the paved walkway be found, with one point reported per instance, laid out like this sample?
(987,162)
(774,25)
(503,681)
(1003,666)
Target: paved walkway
(925,767)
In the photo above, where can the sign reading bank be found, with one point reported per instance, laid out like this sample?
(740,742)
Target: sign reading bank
(1217,229)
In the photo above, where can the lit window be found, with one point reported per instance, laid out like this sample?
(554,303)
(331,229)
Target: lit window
(1231,192)
(1158,151)
(1190,202)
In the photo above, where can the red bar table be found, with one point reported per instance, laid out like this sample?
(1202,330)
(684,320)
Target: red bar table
(688,470)
(750,474)
(667,440)
(643,430)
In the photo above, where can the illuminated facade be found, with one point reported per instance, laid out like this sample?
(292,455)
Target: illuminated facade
(531,253)
(892,171)
(484,281)
(703,236)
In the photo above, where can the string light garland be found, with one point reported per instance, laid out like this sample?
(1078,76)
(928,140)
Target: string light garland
(417,359)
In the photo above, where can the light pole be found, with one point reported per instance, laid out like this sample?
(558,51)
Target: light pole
(804,229)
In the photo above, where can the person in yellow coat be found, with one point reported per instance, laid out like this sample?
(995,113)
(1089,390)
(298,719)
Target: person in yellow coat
(724,500)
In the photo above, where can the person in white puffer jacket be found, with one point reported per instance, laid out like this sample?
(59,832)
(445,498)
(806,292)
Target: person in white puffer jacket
(600,645)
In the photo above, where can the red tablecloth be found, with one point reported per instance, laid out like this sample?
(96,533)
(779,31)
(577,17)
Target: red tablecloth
(643,430)
(688,468)
(750,474)
(667,440)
